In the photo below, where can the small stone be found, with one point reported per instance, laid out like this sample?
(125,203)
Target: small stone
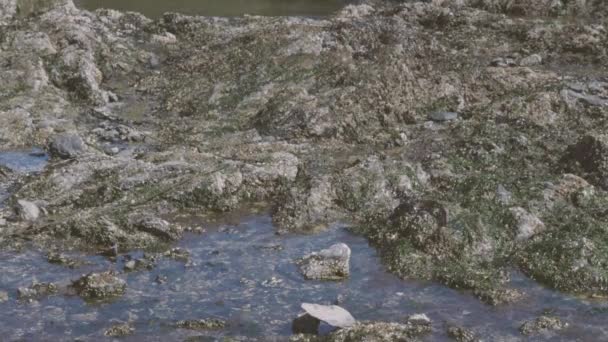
(67,146)
(3,296)
(329,264)
(100,286)
(119,330)
(531,60)
(130,265)
(330,314)
(161,279)
(527,225)
(443,116)
(420,319)
(28,211)
(542,323)
(201,324)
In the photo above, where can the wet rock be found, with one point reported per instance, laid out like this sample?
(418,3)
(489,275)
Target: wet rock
(120,330)
(177,253)
(64,260)
(591,155)
(36,291)
(305,324)
(201,324)
(460,334)
(159,228)
(371,331)
(100,286)
(3,296)
(531,60)
(329,264)
(419,319)
(443,116)
(67,146)
(330,314)
(526,224)
(542,323)
(138,264)
(28,211)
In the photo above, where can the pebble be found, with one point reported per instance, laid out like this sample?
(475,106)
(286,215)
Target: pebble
(443,116)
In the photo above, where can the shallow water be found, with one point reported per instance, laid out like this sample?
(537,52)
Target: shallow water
(245,274)
(155,8)
(20,162)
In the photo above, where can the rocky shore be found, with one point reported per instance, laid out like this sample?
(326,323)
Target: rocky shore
(463,138)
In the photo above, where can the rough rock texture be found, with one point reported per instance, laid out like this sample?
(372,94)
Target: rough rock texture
(201,324)
(541,324)
(100,286)
(369,331)
(120,330)
(332,263)
(324,120)
(36,291)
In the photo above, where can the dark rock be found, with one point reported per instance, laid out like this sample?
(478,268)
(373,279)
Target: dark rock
(201,324)
(305,324)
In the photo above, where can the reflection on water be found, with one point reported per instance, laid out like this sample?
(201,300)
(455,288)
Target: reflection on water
(155,8)
(245,274)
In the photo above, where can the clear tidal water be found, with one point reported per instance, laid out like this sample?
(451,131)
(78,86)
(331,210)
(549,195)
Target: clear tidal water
(155,8)
(245,274)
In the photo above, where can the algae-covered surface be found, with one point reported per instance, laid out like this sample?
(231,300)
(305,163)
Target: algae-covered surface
(462,142)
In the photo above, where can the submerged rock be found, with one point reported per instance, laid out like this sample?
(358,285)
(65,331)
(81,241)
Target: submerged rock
(542,323)
(370,331)
(329,264)
(36,291)
(120,330)
(201,324)
(100,286)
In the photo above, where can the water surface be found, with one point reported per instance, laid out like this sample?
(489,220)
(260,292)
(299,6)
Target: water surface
(245,274)
(155,8)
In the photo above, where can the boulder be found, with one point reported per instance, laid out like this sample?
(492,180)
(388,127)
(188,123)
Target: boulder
(329,264)
(67,146)
(99,286)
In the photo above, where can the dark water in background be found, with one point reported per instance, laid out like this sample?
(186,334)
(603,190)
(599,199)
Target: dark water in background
(245,274)
(155,8)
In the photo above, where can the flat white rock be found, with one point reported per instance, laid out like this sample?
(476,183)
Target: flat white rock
(330,314)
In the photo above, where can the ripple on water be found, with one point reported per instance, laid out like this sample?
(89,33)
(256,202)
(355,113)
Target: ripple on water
(245,274)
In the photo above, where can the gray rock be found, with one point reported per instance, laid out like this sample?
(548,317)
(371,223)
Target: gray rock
(542,323)
(527,225)
(442,116)
(67,146)
(159,228)
(330,314)
(531,60)
(119,330)
(27,211)
(3,296)
(329,264)
(503,195)
(201,324)
(36,291)
(96,286)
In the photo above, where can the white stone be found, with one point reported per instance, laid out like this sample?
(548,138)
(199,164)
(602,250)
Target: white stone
(330,314)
